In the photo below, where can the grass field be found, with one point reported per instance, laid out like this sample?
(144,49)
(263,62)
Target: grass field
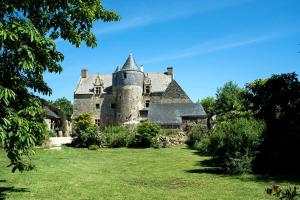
(172,173)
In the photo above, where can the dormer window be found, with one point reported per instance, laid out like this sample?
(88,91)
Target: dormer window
(98,90)
(98,85)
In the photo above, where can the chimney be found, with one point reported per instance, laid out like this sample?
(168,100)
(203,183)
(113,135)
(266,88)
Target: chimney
(84,73)
(170,71)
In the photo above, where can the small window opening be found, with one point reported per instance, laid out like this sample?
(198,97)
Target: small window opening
(97,106)
(125,75)
(147,103)
(148,89)
(113,106)
(97,122)
(98,90)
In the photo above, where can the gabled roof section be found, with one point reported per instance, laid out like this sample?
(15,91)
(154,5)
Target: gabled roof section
(159,81)
(98,81)
(86,85)
(50,114)
(173,113)
(130,64)
(174,91)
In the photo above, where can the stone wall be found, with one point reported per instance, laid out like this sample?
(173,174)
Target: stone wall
(87,104)
(128,103)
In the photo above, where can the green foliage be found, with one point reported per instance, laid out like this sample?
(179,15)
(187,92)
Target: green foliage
(145,135)
(233,144)
(285,193)
(93,147)
(276,100)
(168,132)
(85,132)
(196,133)
(65,105)
(228,98)
(27,50)
(116,136)
(209,105)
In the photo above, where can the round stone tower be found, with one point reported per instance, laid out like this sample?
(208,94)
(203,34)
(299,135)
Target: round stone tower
(127,92)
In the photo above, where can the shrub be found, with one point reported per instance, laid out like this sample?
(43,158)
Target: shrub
(93,147)
(116,136)
(195,133)
(234,144)
(85,132)
(144,136)
(289,193)
(167,132)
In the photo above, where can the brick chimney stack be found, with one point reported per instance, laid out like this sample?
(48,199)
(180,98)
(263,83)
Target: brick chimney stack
(84,73)
(170,71)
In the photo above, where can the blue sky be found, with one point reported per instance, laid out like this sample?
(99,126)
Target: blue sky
(208,42)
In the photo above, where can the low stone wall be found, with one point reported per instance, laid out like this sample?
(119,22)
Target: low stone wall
(173,140)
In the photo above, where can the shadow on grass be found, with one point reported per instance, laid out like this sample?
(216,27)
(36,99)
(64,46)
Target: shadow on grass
(5,190)
(210,166)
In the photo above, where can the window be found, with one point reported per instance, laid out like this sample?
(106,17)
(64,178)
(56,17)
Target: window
(144,113)
(147,103)
(98,90)
(97,122)
(113,106)
(97,106)
(147,89)
(125,75)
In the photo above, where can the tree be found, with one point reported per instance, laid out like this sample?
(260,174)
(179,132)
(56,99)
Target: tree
(209,105)
(228,98)
(65,105)
(27,50)
(276,100)
(230,103)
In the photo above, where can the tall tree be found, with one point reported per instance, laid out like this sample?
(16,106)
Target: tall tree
(27,50)
(65,105)
(209,105)
(276,100)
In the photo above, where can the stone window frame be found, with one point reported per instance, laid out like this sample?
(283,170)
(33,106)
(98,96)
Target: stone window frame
(147,89)
(98,90)
(147,103)
(97,122)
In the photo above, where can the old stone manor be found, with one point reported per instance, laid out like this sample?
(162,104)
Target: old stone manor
(130,95)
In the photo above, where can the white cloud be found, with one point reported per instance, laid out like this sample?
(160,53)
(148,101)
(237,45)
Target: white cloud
(211,47)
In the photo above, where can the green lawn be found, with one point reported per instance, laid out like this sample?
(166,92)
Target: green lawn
(172,173)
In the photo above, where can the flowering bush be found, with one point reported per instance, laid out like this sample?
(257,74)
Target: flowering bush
(289,193)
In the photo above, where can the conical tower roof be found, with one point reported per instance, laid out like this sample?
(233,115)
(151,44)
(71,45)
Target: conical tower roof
(130,64)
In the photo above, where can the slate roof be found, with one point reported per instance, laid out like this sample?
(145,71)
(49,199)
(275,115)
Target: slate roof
(86,85)
(159,81)
(50,114)
(172,113)
(130,64)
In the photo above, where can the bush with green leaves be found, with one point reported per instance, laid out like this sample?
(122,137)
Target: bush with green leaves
(85,132)
(234,144)
(116,136)
(93,147)
(288,193)
(145,135)
(196,133)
